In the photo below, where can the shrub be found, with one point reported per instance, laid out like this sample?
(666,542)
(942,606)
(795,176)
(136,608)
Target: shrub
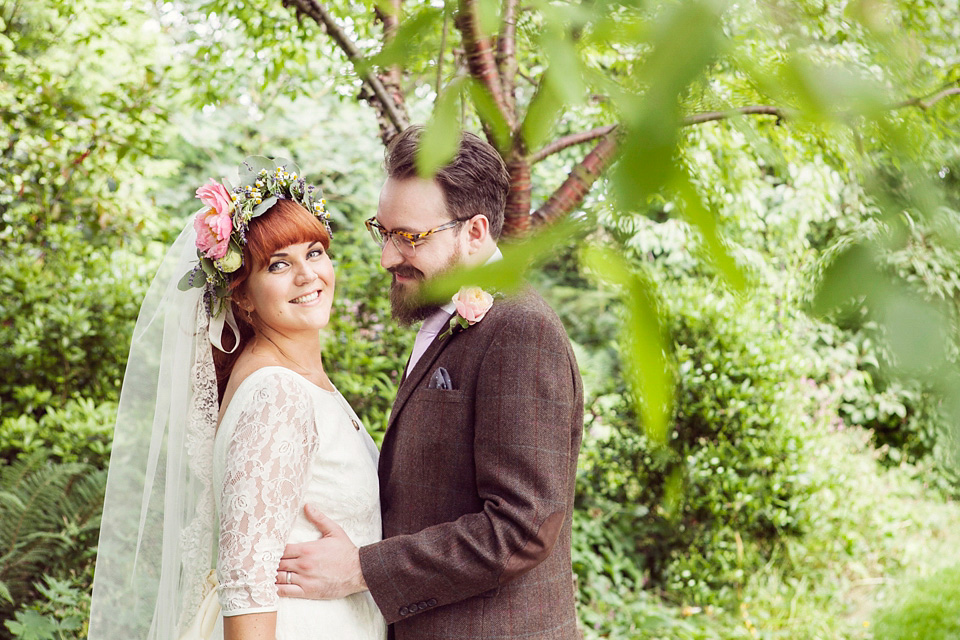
(903,415)
(61,611)
(81,431)
(68,313)
(704,511)
(904,410)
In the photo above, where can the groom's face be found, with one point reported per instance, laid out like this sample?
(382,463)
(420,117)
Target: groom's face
(415,205)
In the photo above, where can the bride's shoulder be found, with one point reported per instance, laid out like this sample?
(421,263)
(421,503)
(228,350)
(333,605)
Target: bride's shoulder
(259,380)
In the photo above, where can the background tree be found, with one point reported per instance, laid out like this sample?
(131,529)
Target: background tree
(545,79)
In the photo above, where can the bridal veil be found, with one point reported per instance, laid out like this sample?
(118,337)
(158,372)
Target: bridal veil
(157,533)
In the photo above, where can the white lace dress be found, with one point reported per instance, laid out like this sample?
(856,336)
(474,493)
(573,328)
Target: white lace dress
(284,442)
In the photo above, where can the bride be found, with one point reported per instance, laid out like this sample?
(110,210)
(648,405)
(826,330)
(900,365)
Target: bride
(222,438)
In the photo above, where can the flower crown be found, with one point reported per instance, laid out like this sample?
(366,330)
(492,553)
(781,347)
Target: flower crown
(222,223)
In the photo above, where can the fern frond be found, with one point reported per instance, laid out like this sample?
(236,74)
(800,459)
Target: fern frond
(5,592)
(49,521)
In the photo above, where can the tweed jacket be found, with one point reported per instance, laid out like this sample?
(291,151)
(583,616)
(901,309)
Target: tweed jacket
(477,484)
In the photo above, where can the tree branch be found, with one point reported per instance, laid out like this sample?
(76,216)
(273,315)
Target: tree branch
(516,213)
(480,60)
(569,141)
(927,103)
(782,113)
(391,77)
(762,110)
(575,188)
(507,53)
(580,180)
(382,99)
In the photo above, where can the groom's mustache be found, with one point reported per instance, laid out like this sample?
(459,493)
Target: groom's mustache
(406,271)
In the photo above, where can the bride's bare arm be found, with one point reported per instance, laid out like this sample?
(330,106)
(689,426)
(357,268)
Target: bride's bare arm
(252,626)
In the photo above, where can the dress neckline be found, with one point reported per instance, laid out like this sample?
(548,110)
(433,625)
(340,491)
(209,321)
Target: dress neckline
(333,392)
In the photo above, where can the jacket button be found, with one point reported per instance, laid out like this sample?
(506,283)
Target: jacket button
(421,605)
(404,611)
(431,602)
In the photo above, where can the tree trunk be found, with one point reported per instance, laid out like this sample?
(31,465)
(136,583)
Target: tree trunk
(516,219)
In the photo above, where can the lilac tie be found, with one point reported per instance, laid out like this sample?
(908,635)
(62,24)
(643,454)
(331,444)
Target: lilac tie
(428,331)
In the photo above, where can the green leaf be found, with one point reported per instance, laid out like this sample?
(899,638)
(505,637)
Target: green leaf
(288,165)
(916,328)
(251,166)
(261,208)
(686,38)
(408,40)
(441,137)
(208,267)
(30,625)
(187,281)
(562,54)
(705,220)
(488,16)
(489,114)
(543,111)
(850,278)
(646,364)
(508,274)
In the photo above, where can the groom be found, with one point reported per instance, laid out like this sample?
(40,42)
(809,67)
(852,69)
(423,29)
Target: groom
(478,463)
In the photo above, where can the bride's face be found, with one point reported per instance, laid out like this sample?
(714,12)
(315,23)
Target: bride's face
(293,292)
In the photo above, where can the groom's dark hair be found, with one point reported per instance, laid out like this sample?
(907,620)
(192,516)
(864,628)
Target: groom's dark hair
(474,182)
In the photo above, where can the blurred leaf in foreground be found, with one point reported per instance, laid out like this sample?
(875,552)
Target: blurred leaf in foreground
(646,366)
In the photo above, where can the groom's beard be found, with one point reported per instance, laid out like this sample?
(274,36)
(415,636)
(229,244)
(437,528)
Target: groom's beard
(406,305)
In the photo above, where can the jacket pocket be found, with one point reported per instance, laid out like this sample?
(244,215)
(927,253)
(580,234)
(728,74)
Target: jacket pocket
(438,395)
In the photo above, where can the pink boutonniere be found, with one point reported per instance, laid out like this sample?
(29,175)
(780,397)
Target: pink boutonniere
(472,305)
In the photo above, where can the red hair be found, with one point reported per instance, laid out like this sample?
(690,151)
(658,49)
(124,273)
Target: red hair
(282,225)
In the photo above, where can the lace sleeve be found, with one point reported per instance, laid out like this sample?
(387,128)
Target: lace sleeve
(266,466)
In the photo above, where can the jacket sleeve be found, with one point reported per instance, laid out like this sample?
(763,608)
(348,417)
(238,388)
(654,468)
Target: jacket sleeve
(528,417)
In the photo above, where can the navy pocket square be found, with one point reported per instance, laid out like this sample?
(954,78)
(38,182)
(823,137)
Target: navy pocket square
(440,380)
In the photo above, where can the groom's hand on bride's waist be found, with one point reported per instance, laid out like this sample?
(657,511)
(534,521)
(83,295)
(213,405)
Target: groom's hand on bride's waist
(324,569)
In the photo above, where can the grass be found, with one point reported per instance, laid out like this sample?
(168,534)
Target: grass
(878,563)
(926,609)
(875,528)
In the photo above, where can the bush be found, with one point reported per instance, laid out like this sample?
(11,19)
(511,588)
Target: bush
(82,431)
(61,611)
(703,512)
(904,410)
(68,314)
(903,415)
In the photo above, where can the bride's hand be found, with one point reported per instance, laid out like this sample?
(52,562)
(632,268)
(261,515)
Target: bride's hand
(323,569)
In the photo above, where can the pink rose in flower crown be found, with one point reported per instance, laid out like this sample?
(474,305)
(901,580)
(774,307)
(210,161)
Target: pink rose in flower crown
(214,225)
(472,303)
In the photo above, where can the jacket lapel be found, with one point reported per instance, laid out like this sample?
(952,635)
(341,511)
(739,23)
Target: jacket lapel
(410,382)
